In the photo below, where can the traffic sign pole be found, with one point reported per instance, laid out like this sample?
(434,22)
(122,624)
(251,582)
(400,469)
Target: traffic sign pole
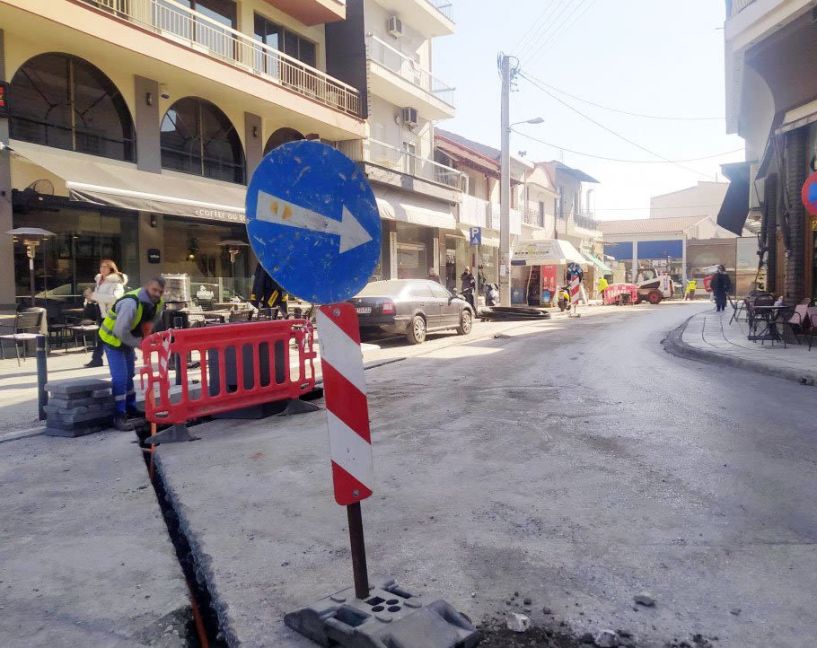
(356,539)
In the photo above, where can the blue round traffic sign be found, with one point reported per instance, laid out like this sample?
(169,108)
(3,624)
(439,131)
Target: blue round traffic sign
(313,222)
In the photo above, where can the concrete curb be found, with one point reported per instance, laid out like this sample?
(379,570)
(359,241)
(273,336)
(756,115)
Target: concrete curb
(675,345)
(21,434)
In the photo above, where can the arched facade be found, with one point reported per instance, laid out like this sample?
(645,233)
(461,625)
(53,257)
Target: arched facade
(63,101)
(282,136)
(198,138)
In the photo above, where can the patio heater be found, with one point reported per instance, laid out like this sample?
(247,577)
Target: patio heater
(234,248)
(31,237)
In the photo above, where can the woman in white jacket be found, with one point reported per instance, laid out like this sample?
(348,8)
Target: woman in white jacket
(109,285)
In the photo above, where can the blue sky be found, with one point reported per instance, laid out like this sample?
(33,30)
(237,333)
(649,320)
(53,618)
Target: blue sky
(656,57)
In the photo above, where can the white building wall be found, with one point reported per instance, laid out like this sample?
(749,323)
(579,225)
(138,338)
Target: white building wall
(704,199)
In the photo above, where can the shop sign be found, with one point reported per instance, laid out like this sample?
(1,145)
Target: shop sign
(4,99)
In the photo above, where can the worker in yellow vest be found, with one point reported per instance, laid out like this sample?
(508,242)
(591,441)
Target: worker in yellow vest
(602,285)
(130,318)
(692,286)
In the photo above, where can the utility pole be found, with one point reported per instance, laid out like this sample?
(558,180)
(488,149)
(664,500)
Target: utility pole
(505,186)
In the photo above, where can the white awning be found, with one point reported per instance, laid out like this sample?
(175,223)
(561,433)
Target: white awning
(553,252)
(111,183)
(398,206)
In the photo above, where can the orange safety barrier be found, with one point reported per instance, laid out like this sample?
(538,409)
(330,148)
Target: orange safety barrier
(224,368)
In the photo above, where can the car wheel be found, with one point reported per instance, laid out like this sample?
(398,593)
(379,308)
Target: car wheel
(655,297)
(466,322)
(417,330)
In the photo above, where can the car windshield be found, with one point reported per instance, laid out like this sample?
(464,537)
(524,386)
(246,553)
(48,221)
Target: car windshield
(385,288)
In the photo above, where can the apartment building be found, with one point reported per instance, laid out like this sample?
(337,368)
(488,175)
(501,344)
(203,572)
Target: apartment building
(770,103)
(133,126)
(384,47)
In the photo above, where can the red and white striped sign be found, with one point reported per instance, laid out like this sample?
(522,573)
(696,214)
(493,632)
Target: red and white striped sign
(575,290)
(347,407)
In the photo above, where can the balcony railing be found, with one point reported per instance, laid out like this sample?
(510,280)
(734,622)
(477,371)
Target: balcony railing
(203,34)
(474,211)
(444,7)
(532,216)
(586,221)
(734,7)
(406,67)
(391,157)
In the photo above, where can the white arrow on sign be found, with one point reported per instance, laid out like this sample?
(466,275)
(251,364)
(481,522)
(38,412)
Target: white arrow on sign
(273,209)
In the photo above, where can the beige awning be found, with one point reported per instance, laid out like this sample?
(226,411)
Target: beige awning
(111,183)
(407,208)
(553,252)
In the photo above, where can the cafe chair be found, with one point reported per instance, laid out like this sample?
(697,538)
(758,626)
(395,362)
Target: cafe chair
(27,326)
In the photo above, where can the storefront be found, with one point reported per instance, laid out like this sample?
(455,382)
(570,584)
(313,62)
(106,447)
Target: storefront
(538,268)
(67,263)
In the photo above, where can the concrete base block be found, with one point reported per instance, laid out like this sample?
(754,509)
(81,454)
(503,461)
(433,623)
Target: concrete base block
(389,618)
(74,386)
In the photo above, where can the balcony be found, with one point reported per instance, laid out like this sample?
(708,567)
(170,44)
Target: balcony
(207,36)
(391,157)
(427,17)
(734,7)
(532,216)
(401,81)
(312,12)
(474,211)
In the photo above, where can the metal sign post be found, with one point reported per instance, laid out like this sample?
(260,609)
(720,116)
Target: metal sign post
(314,225)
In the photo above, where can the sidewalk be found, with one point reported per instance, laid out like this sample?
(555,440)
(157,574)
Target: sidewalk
(710,337)
(85,557)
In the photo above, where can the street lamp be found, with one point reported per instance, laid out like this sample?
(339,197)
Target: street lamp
(31,237)
(534,120)
(234,248)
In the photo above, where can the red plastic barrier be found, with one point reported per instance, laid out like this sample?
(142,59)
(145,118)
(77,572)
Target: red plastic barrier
(224,368)
(614,293)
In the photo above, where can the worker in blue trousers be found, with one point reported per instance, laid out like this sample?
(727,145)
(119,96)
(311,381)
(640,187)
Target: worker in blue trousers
(127,322)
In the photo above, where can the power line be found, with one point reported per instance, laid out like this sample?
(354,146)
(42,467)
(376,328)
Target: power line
(612,159)
(607,128)
(537,24)
(559,27)
(569,26)
(553,24)
(624,112)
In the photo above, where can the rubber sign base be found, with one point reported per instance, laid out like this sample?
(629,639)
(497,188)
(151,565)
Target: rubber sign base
(389,618)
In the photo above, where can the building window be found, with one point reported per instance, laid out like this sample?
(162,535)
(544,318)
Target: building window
(63,101)
(541,213)
(282,136)
(285,41)
(198,138)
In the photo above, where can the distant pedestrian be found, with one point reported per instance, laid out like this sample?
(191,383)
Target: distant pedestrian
(127,322)
(721,287)
(469,285)
(109,285)
(602,286)
(433,275)
(692,286)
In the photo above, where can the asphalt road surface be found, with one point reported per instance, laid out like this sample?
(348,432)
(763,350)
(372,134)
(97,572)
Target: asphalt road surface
(573,463)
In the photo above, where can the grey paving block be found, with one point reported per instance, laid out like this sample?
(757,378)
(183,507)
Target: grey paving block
(71,417)
(72,386)
(72,433)
(79,401)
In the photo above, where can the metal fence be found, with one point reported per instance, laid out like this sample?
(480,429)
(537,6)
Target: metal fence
(391,157)
(445,8)
(406,67)
(203,34)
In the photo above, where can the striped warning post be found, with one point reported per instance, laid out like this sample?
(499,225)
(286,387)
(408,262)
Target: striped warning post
(575,290)
(347,407)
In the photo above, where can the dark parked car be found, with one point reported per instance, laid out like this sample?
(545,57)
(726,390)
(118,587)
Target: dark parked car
(411,307)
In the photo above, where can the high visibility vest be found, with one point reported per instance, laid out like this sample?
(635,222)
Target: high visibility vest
(692,286)
(106,328)
(603,284)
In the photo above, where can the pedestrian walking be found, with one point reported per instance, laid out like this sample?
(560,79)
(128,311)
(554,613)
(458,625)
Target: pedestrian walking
(721,287)
(433,275)
(692,286)
(127,322)
(109,285)
(469,284)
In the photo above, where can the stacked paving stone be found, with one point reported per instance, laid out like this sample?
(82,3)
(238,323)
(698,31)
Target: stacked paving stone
(78,406)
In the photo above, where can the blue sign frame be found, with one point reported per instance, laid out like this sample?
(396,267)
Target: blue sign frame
(313,222)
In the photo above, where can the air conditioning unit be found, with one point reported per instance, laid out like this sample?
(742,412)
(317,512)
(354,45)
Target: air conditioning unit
(395,26)
(409,117)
